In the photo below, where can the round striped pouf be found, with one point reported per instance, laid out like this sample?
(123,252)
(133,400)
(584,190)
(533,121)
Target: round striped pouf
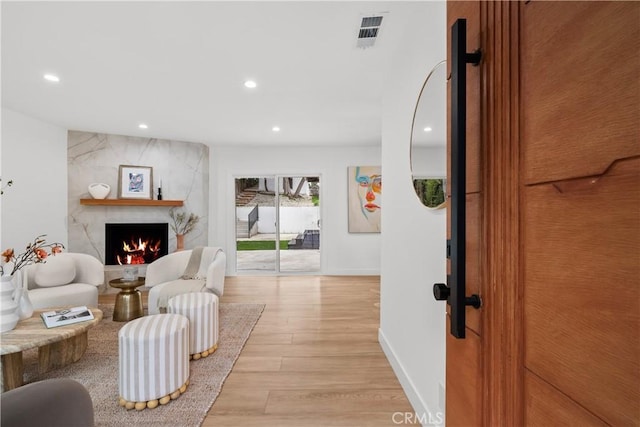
(202,311)
(154,360)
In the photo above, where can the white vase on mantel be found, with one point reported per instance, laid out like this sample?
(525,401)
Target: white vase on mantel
(99,190)
(10,295)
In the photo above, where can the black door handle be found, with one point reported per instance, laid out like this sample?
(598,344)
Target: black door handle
(454,292)
(441,292)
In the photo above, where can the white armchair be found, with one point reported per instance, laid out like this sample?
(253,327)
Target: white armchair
(166,272)
(64,279)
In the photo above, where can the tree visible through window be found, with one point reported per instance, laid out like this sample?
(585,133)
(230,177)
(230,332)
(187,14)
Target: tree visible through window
(430,191)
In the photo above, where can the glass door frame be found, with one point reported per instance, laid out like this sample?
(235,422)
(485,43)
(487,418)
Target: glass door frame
(277,267)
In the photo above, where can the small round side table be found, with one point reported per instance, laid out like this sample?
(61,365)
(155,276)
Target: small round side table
(128,301)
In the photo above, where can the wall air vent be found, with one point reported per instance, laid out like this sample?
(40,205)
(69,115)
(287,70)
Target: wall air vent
(369,30)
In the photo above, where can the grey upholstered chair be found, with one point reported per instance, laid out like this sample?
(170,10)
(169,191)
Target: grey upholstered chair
(59,402)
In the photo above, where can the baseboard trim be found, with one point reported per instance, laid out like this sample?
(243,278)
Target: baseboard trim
(234,273)
(363,272)
(421,409)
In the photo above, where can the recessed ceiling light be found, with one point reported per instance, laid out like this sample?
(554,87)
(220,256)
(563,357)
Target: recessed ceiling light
(428,129)
(250,84)
(52,78)
(143,126)
(276,128)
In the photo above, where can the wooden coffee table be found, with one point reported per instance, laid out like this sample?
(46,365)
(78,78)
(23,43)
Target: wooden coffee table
(128,304)
(57,347)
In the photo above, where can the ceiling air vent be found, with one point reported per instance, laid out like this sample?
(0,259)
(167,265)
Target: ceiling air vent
(369,29)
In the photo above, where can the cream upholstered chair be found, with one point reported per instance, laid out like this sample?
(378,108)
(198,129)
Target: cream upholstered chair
(166,272)
(65,279)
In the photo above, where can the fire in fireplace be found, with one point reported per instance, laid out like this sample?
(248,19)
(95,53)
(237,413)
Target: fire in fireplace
(132,243)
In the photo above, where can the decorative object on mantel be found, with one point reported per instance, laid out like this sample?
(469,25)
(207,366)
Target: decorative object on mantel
(14,299)
(99,190)
(135,182)
(181,225)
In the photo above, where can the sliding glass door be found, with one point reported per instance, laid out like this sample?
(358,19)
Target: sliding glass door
(277,224)
(299,223)
(255,224)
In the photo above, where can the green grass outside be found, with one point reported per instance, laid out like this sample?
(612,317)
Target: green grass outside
(260,245)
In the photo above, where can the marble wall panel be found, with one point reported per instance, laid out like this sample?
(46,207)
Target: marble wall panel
(183,168)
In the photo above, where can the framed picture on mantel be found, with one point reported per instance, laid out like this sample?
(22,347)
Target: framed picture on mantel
(135,182)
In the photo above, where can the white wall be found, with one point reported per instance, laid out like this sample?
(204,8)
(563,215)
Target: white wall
(412,324)
(34,156)
(342,252)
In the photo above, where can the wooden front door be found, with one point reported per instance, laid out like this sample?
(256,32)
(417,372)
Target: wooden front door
(553,216)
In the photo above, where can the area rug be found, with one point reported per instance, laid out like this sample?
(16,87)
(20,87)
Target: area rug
(97,370)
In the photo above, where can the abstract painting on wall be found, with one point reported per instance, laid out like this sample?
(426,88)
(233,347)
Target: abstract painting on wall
(365,199)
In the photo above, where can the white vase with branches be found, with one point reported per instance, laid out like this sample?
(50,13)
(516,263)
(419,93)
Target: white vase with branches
(182,223)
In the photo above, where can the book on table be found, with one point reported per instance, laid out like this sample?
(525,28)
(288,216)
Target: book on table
(66,316)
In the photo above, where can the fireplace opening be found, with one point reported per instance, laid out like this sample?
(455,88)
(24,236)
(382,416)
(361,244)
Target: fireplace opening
(131,243)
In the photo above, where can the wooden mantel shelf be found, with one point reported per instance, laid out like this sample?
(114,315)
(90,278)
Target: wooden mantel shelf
(130,202)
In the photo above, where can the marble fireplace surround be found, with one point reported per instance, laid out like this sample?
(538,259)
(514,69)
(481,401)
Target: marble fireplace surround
(93,157)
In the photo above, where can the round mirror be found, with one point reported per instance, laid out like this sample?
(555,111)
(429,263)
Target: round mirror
(429,139)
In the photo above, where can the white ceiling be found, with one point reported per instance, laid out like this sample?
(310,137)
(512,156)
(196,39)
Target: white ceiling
(180,66)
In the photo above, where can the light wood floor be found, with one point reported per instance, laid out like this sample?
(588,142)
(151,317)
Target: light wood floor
(313,358)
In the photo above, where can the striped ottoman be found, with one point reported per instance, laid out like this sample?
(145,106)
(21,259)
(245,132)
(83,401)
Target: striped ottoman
(202,311)
(154,360)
